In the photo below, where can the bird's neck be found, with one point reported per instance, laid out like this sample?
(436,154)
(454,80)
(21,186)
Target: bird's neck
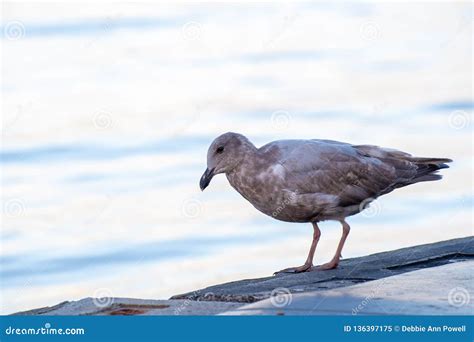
(247,145)
(247,156)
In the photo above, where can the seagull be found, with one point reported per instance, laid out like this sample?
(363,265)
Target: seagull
(314,180)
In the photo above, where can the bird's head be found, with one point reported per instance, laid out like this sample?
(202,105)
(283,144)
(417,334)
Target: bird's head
(225,153)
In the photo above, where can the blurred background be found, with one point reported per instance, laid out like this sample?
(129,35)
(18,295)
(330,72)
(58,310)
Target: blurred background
(108,111)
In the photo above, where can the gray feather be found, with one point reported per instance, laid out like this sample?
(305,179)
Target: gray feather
(314,180)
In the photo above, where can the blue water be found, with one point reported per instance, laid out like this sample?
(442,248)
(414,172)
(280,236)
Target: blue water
(88,27)
(88,205)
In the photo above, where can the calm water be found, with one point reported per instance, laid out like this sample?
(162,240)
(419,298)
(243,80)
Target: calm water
(108,112)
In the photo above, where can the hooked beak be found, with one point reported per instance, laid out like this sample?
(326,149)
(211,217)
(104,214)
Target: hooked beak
(206,178)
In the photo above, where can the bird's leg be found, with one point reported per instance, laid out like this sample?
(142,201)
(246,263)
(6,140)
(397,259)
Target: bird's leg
(335,260)
(309,260)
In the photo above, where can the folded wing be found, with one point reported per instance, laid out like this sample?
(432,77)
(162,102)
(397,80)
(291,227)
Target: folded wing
(353,173)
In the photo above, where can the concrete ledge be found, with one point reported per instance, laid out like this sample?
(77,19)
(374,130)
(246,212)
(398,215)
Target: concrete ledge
(350,272)
(442,290)
(132,306)
(429,279)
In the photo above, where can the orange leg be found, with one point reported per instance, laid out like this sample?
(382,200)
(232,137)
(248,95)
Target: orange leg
(309,260)
(337,256)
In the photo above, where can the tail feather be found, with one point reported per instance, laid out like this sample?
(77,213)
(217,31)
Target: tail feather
(426,178)
(408,169)
(427,168)
(430,160)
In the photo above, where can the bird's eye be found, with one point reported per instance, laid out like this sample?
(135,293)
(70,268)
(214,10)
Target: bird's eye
(220,149)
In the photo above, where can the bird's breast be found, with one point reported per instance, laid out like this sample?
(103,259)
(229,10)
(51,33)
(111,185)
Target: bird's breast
(264,188)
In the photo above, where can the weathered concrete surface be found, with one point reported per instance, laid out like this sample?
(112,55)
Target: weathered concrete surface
(131,306)
(424,291)
(349,272)
(442,290)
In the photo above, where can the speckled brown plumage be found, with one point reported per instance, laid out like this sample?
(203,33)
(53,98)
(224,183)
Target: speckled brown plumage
(314,180)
